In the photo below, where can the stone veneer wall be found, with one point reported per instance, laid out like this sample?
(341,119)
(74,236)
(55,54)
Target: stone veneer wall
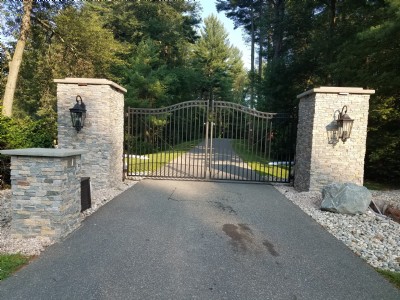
(46,199)
(319,163)
(103,132)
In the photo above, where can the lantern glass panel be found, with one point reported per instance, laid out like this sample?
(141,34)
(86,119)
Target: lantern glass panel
(340,128)
(346,129)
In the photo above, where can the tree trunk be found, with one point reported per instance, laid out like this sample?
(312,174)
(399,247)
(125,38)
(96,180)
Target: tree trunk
(277,36)
(16,61)
(332,17)
(331,41)
(252,58)
(260,50)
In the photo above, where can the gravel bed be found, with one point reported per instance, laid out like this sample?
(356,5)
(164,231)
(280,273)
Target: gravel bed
(34,246)
(374,237)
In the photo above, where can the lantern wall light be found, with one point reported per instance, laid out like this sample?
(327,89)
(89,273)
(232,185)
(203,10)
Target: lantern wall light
(344,124)
(78,114)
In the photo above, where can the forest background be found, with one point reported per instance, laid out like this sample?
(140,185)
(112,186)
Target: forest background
(157,52)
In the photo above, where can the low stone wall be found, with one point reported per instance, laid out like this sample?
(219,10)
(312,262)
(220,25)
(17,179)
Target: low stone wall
(46,186)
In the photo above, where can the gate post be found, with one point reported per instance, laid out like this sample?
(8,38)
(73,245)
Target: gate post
(320,159)
(103,131)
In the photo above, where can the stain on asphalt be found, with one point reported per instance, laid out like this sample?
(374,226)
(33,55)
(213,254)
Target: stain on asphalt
(270,247)
(170,196)
(243,239)
(245,227)
(239,239)
(225,208)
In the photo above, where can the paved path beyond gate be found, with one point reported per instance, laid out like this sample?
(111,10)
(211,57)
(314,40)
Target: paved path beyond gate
(198,240)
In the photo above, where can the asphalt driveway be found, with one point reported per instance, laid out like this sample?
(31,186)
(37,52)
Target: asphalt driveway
(198,240)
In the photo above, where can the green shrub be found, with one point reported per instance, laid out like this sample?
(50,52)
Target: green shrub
(24,133)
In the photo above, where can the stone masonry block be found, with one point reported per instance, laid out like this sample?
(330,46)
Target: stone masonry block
(103,133)
(317,161)
(36,201)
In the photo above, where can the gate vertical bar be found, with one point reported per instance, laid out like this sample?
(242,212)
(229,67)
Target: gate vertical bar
(269,149)
(157,171)
(127,141)
(241,164)
(226,154)
(258,164)
(206,158)
(174,161)
(196,129)
(182,140)
(238,143)
(212,113)
(147,133)
(189,127)
(266,150)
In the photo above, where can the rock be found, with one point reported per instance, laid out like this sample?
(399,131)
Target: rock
(378,205)
(345,198)
(388,209)
(393,213)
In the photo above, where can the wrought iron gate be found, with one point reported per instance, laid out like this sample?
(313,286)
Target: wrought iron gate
(209,140)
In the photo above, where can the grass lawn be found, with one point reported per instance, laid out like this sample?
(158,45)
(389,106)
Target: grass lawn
(393,277)
(157,160)
(9,263)
(257,162)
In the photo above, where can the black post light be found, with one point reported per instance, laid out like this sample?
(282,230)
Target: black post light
(78,114)
(344,125)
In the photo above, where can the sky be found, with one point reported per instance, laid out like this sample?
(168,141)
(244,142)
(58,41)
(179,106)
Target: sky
(235,35)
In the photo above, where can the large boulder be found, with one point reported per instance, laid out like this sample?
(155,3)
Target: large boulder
(345,198)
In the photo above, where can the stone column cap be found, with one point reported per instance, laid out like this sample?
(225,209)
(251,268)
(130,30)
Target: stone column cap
(336,90)
(90,81)
(43,152)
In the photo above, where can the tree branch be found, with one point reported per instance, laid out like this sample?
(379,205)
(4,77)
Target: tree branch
(54,32)
(48,27)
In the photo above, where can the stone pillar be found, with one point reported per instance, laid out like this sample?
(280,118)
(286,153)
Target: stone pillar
(46,186)
(103,133)
(318,160)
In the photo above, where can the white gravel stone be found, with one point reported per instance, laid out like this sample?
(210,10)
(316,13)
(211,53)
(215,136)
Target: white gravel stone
(375,238)
(34,246)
